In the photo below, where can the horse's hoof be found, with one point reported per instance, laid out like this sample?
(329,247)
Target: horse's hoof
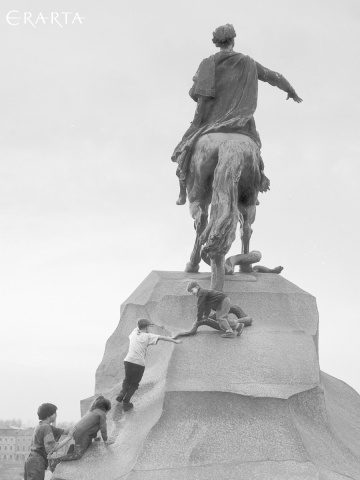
(229,267)
(190,268)
(229,270)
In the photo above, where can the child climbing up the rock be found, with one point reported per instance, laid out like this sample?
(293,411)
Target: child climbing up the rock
(134,362)
(85,431)
(212,300)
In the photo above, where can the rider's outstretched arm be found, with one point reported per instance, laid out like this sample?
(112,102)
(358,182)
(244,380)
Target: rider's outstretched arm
(277,80)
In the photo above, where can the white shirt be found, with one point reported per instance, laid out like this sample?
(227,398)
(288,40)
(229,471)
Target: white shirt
(139,342)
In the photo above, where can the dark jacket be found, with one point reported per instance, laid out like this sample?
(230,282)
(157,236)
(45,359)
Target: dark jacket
(208,300)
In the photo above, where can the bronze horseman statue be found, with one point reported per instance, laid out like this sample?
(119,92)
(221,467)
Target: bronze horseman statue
(219,161)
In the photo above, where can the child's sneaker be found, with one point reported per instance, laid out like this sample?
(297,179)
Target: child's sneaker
(239,329)
(127,406)
(52,464)
(228,335)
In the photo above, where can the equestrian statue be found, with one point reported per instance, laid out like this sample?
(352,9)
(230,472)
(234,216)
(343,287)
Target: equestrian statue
(219,162)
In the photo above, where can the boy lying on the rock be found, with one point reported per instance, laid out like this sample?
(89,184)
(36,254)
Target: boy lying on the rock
(212,300)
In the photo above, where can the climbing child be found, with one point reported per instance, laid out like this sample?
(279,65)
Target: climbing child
(85,431)
(134,362)
(212,300)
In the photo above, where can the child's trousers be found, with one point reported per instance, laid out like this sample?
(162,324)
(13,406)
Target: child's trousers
(222,313)
(75,451)
(133,376)
(35,466)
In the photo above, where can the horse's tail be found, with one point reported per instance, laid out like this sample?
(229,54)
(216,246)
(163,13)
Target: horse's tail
(221,229)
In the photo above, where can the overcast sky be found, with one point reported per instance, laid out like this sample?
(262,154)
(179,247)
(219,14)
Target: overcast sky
(90,114)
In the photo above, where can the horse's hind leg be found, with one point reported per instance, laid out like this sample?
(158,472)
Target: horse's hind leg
(202,164)
(248,214)
(199,213)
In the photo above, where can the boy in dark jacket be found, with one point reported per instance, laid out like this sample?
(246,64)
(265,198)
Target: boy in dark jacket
(212,300)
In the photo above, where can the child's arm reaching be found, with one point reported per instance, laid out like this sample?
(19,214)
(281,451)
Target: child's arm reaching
(51,446)
(169,339)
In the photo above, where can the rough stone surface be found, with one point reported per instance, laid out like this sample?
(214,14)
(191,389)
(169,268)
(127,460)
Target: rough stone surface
(253,407)
(276,357)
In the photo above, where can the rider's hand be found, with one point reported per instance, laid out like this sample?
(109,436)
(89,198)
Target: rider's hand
(295,97)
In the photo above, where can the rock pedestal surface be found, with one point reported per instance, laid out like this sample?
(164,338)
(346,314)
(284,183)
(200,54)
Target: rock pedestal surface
(254,407)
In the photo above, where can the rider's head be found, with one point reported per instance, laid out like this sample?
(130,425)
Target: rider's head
(224,36)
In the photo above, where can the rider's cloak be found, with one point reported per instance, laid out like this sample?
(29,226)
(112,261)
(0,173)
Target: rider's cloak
(229,83)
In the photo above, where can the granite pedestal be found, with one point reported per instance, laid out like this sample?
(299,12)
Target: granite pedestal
(253,407)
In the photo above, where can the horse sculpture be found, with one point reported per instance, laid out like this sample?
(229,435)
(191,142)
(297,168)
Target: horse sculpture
(224,172)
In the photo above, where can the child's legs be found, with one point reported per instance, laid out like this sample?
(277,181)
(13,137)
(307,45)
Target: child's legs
(244,318)
(136,373)
(77,453)
(222,314)
(81,445)
(71,448)
(35,467)
(127,379)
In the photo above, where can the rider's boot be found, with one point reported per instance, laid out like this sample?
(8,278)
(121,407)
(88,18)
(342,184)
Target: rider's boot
(182,195)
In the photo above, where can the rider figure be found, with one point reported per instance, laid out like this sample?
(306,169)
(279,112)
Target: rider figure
(225,89)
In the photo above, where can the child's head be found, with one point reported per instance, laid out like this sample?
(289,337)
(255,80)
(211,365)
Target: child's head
(193,287)
(47,410)
(101,403)
(143,323)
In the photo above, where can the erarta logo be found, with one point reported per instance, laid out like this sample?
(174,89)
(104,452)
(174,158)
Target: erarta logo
(60,19)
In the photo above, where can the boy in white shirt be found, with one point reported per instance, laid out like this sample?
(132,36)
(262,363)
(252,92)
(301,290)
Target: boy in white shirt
(134,362)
